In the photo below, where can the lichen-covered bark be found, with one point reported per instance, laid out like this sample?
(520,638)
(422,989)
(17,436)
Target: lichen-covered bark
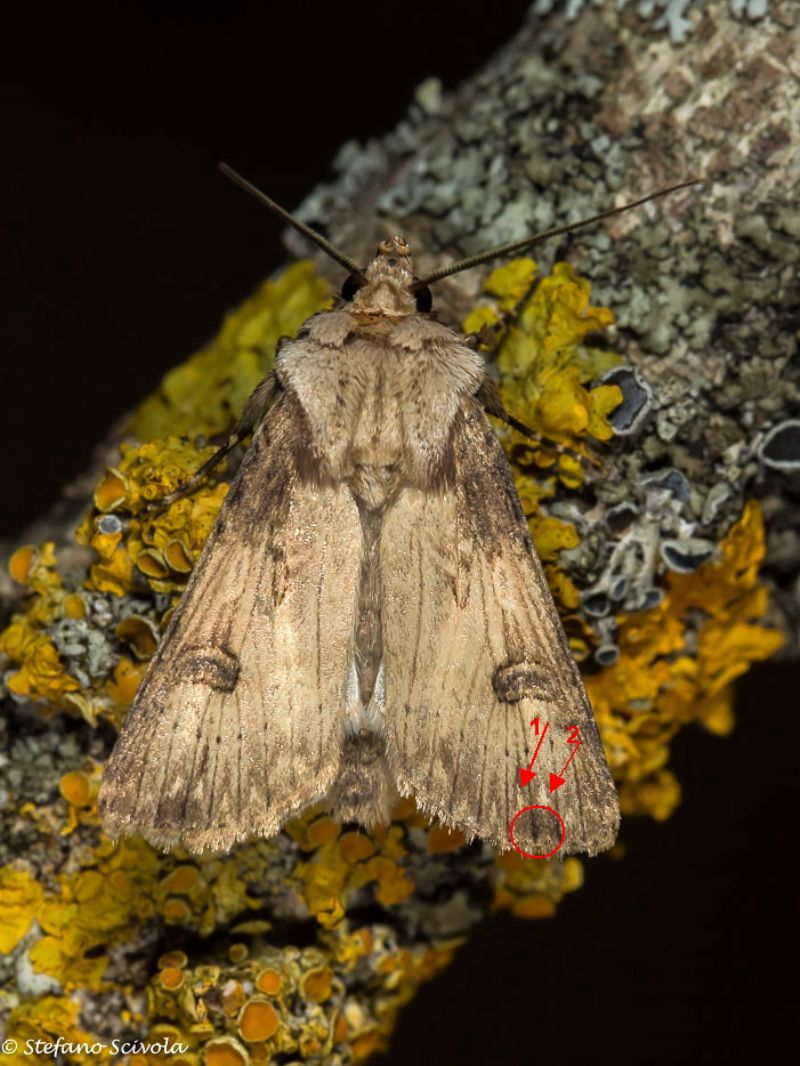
(576,116)
(654,555)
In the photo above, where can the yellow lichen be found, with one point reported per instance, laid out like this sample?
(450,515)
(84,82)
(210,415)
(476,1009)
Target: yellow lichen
(79,788)
(257,1020)
(140,634)
(269,982)
(340,866)
(232,996)
(20,899)
(22,562)
(318,984)
(171,978)
(40,676)
(125,681)
(660,682)
(442,840)
(36,568)
(355,847)
(238,952)
(159,545)
(552,535)
(91,909)
(172,959)
(545,366)
(111,492)
(225,1051)
(182,879)
(314,1014)
(49,1019)
(532,889)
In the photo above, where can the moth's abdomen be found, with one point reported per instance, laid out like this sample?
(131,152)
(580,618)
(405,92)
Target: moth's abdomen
(364,790)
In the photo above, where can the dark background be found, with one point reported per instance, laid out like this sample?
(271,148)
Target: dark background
(122,249)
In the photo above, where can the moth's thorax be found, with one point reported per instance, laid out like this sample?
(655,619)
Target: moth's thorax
(390,277)
(379,403)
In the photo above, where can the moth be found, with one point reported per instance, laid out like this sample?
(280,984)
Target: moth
(369,618)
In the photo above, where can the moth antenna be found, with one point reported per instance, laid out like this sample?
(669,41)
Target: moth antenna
(344,260)
(551,445)
(529,242)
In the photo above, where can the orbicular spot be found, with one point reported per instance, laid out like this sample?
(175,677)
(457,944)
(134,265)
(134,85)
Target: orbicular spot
(210,665)
(519,681)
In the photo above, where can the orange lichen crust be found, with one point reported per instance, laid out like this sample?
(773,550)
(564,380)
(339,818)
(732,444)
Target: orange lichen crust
(333,1002)
(40,673)
(137,546)
(250,994)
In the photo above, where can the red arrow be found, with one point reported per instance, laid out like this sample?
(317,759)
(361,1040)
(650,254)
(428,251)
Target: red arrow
(526,776)
(557,780)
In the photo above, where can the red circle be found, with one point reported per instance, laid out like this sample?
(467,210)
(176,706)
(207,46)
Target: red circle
(527,854)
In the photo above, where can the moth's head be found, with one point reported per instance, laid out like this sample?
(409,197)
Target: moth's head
(389,286)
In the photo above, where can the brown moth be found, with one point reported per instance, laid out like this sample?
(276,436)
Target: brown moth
(369,618)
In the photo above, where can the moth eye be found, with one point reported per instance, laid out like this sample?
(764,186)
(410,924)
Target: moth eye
(350,287)
(424,299)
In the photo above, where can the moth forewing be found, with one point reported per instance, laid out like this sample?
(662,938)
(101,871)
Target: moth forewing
(369,616)
(227,734)
(475,651)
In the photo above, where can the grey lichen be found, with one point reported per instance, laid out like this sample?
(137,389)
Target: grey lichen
(637,399)
(780,448)
(703,289)
(679,18)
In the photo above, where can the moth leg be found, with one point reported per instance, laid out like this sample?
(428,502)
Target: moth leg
(253,414)
(488,336)
(491,335)
(260,401)
(488,396)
